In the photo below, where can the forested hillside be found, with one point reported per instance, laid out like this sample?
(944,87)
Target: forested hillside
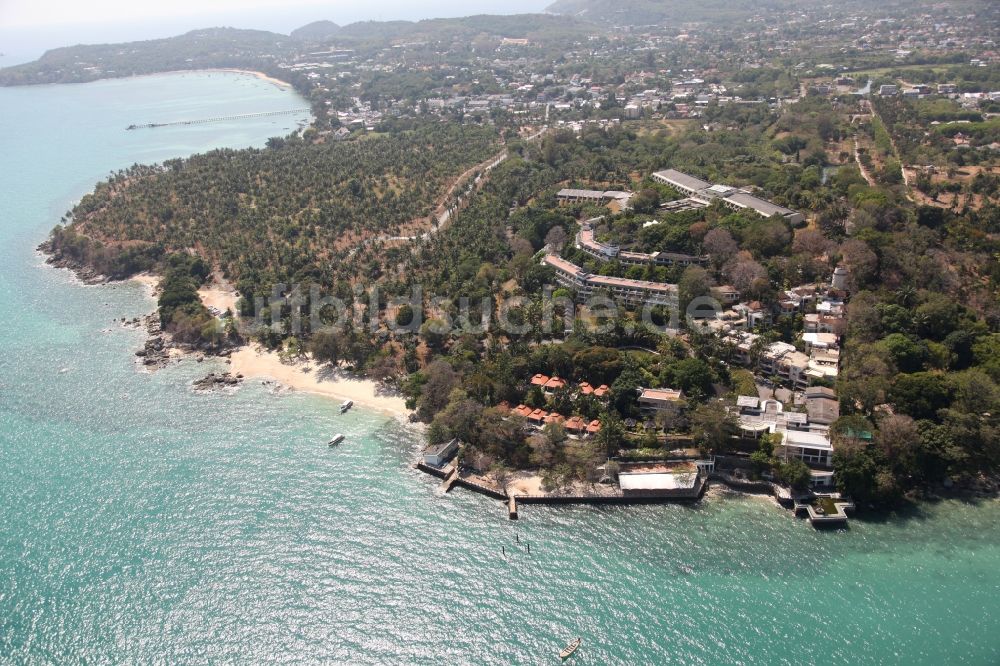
(271,215)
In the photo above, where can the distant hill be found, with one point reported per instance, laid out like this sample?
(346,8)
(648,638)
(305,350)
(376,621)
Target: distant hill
(212,47)
(316,30)
(261,50)
(644,12)
(536,27)
(648,12)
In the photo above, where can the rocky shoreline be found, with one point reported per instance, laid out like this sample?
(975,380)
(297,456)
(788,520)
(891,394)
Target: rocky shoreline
(155,353)
(86,274)
(159,348)
(221,380)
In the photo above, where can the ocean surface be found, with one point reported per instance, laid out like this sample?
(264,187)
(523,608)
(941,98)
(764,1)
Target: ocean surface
(142,523)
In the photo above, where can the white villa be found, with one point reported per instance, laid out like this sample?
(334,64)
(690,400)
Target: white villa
(797,436)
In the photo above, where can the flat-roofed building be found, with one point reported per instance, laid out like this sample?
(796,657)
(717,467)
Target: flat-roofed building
(754,313)
(818,323)
(570,195)
(737,199)
(660,400)
(661,259)
(822,405)
(758,416)
(679,480)
(568,274)
(824,364)
(630,291)
(797,434)
(742,200)
(634,292)
(438,454)
(742,344)
(820,341)
(822,479)
(809,447)
(772,354)
(567,196)
(681,182)
(793,368)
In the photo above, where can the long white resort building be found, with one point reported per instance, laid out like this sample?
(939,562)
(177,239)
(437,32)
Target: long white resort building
(635,292)
(704,192)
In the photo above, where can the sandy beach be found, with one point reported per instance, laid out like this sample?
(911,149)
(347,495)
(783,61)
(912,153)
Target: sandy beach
(219,297)
(259,75)
(149,281)
(231,70)
(309,377)
(215,295)
(253,362)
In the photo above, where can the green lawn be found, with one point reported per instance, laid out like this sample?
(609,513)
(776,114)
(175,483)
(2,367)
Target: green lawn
(828,505)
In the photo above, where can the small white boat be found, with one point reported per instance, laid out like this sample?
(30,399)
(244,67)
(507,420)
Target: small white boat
(347,404)
(337,439)
(570,649)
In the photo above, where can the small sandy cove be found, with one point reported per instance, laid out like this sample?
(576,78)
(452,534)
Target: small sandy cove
(252,361)
(312,378)
(218,294)
(218,297)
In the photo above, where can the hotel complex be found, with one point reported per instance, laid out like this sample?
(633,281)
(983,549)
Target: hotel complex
(635,292)
(703,193)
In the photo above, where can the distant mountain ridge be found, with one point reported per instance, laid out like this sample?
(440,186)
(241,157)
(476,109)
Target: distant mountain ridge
(643,12)
(536,26)
(258,49)
(648,12)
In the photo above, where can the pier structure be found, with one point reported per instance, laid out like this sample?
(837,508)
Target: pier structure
(200,121)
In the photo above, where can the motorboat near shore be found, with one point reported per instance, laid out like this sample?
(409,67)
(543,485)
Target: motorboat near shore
(346,405)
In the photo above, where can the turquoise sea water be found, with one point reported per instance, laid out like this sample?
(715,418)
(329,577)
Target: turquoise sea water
(141,523)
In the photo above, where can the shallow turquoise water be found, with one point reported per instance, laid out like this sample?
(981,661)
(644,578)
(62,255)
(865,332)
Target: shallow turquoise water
(143,523)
